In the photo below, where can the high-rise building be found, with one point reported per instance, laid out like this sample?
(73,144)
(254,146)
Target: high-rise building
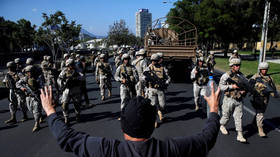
(143,20)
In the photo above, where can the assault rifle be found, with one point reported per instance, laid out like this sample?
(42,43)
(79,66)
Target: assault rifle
(129,83)
(155,80)
(268,88)
(30,92)
(242,84)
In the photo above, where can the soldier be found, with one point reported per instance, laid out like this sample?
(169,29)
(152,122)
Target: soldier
(118,59)
(69,81)
(199,76)
(127,75)
(210,61)
(157,80)
(30,85)
(84,93)
(103,74)
(131,53)
(44,59)
(16,97)
(97,59)
(140,64)
(264,87)
(65,58)
(235,55)
(233,97)
(18,65)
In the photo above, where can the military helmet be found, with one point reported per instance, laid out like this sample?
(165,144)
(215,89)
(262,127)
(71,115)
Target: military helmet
(98,53)
(235,51)
(120,52)
(44,65)
(77,56)
(66,55)
(201,59)
(45,57)
(102,56)
(160,54)
(142,51)
(69,62)
(28,68)
(154,57)
(234,61)
(137,53)
(263,65)
(29,61)
(11,64)
(48,58)
(17,60)
(125,56)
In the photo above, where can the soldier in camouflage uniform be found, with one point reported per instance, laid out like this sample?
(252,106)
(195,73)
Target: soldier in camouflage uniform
(31,85)
(233,98)
(199,76)
(16,96)
(65,58)
(118,59)
(140,64)
(69,81)
(264,87)
(97,59)
(157,80)
(234,55)
(127,75)
(103,74)
(210,61)
(18,65)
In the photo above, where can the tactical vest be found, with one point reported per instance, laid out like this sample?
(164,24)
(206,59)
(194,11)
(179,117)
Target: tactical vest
(202,76)
(233,93)
(13,78)
(33,84)
(159,71)
(127,70)
(105,66)
(266,86)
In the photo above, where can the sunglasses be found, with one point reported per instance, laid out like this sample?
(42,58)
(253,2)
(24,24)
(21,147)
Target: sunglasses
(237,65)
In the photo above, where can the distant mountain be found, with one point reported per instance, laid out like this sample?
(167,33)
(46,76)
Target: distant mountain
(90,35)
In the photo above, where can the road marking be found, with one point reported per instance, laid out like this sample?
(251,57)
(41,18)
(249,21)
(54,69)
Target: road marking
(265,121)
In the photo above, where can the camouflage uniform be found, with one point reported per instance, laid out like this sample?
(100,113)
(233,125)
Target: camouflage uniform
(200,80)
(118,59)
(16,96)
(210,61)
(140,64)
(127,90)
(69,81)
(31,85)
(97,59)
(103,74)
(264,87)
(233,100)
(62,64)
(157,87)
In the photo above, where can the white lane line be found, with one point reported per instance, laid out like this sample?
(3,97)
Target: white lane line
(265,121)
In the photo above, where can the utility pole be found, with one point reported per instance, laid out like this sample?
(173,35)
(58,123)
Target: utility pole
(264,32)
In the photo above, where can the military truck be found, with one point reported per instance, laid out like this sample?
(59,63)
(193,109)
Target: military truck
(178,43)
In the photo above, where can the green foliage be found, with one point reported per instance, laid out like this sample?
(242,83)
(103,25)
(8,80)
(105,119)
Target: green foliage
(119,35)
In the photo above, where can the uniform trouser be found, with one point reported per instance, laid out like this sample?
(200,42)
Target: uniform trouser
(15,101)
(260,104)
(230,106)
(105,82)
(140,88)
(157,97)
(198,93)
(67,95)
(125,93)
(84,90)
(34,106)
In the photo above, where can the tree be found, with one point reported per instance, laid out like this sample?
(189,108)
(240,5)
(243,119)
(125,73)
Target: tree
(57,33)
(120,35)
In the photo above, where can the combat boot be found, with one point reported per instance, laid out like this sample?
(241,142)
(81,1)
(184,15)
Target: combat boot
(41,120)
(78,118)
(103,98)
(223,130)
(196,108)
(66,120)
(109,93)
(36,127)
(12,120)
(240,137)
(24,118)
(261,132)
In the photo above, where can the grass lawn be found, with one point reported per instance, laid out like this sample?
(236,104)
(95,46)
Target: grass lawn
(276,53)
(250,68)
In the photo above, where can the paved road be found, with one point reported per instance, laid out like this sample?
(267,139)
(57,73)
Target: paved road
(181,120)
